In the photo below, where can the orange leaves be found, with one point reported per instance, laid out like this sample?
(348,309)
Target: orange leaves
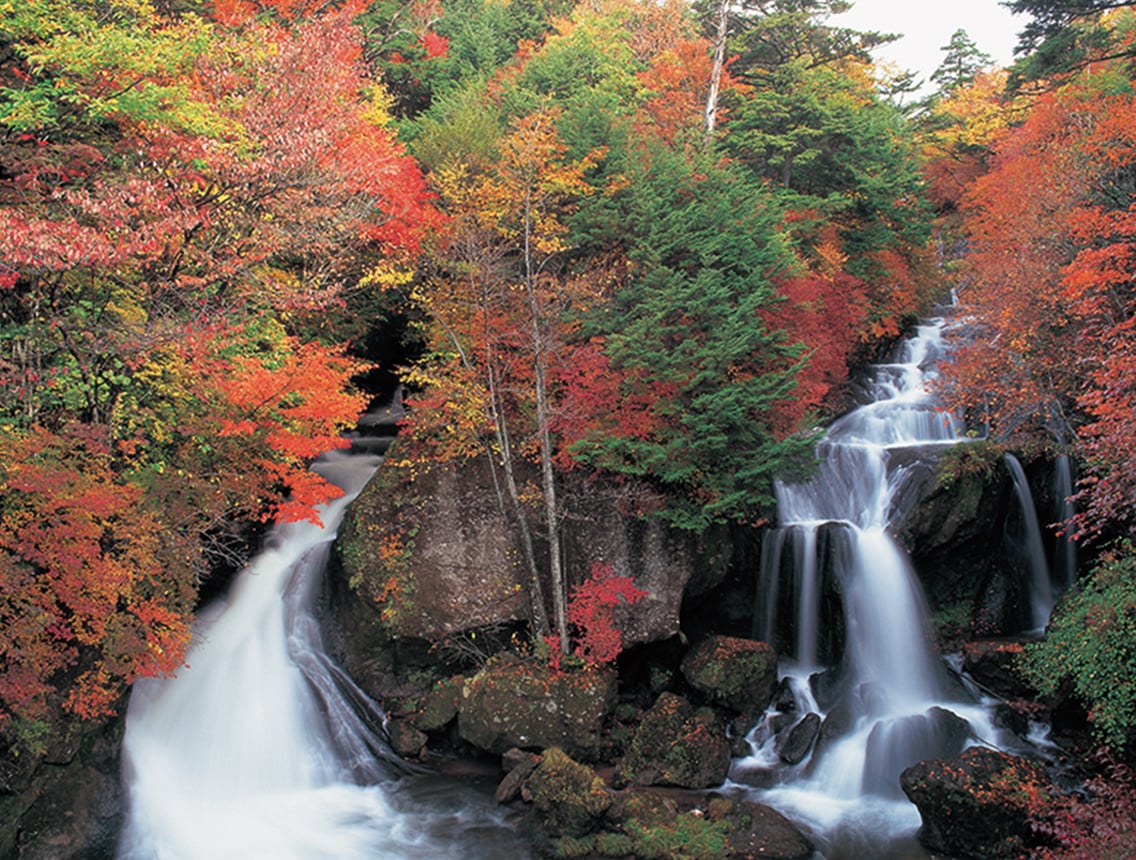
(1053,260)
(81,580)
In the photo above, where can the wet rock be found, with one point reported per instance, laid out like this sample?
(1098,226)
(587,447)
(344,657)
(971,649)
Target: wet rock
(740,674)
(516,703)
(826,686)
(676,745)
(570,799)
(899,743)
(978,804)
(518,758)
(800,739)
(518,765)
(757,830)
(405,739)
(993,663)
(783,698)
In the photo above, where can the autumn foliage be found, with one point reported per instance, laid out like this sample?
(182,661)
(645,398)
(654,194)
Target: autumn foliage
(185,200)
(1050,292)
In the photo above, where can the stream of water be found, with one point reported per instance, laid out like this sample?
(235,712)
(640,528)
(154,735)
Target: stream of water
(858,651)
(261,748)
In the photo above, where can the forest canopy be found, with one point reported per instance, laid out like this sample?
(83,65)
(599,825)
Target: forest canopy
(646,240)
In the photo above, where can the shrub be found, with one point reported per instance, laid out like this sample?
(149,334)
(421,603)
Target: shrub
(1089,644)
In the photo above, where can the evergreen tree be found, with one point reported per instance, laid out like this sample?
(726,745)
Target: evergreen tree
(963,61)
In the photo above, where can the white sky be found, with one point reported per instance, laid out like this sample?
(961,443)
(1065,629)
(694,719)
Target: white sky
(927,26)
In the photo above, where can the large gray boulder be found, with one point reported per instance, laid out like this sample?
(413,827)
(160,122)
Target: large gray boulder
(434,553)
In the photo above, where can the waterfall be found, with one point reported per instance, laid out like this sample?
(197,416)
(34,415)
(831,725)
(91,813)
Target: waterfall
(261,747)
(1065,553)
(892,703)
(1040,586)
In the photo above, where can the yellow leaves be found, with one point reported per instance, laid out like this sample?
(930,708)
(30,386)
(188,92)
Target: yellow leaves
(387,275)
(377,108)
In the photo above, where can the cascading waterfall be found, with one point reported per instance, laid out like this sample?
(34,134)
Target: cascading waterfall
(1041,596)
(261,747)
(887,698)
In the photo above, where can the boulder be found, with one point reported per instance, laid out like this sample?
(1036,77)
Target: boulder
(433,552)
(979,804)
(653,822)
(440,706)
(518,765)
(757,830)
(993,664)
(570,799)
(799,740)
(405,739)
(740,674)
(895,744)
(518,703)
(676,745)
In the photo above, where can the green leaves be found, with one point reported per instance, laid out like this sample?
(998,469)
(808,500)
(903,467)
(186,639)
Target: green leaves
(689,329)
(1089,642)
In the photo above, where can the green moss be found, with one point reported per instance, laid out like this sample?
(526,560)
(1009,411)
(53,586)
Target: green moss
(689,837)
(977,459)
(569,797)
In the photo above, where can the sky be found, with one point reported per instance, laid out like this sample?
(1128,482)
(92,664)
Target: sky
(927,26)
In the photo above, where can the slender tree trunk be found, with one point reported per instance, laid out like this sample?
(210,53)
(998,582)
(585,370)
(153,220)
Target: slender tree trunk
(544,430)
(538,615)
(716,68)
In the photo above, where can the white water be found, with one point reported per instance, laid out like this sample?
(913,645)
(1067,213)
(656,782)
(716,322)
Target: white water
(894,687)
(1041,597)
(261,747)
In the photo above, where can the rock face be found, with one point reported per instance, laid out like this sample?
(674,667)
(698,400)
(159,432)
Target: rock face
(740,674)
(437,555)
(433,553)
(512,703)
(676,745)
(978,804)
(66,802)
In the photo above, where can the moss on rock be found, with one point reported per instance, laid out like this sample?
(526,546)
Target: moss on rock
(740,674)
(676,745)
(570,799)
(522,703)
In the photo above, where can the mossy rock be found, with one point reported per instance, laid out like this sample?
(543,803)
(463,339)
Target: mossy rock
(979,804)
(519,703)
(570,799)
(740,674)
(676,745)
(440,706)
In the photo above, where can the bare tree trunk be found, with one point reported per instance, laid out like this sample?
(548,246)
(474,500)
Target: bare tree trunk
(716,68)
(544,430)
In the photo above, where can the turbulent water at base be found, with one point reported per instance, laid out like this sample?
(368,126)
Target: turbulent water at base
(838,593)
(263,748)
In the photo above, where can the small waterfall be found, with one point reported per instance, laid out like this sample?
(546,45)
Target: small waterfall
(1065,550)
(261,747)
(1040,585)
(886,696)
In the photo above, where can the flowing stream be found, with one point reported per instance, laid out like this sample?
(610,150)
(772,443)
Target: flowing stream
(263,748)
(838,597)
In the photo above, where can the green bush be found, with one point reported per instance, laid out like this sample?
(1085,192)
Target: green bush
(1090,643)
